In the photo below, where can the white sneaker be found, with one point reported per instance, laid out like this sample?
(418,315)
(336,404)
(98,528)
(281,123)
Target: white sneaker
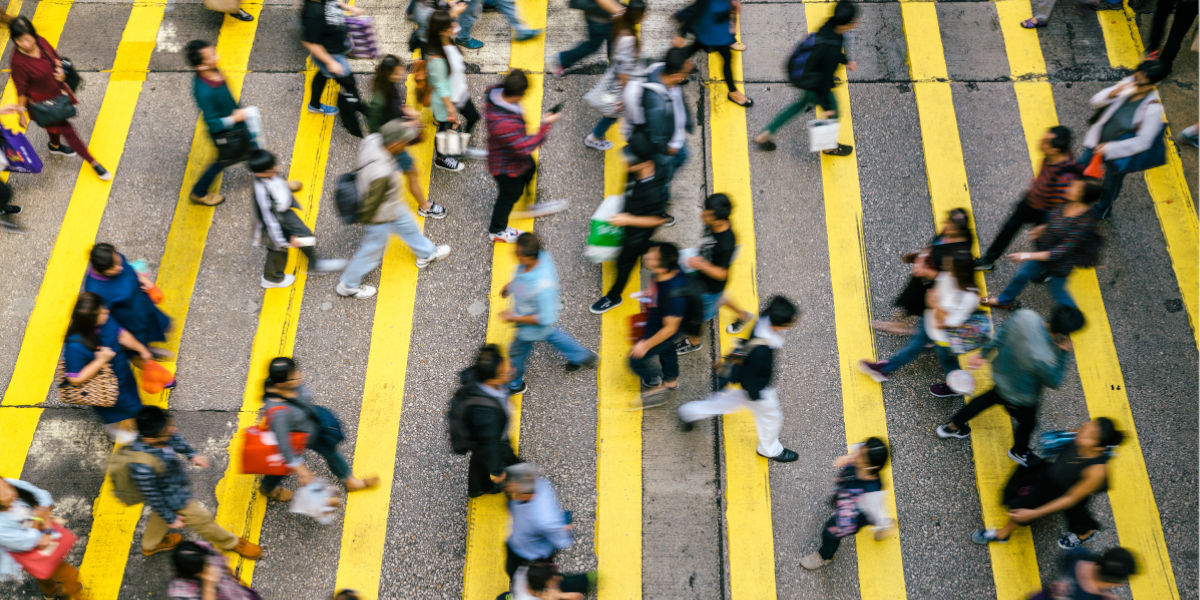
(546,207)
(508,236)
(475,153)
(287,280)
(360,292)
(437,255)
(329,265)
(595,143)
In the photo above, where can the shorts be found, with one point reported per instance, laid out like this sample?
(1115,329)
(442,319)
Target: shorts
(405,162)
(712,304)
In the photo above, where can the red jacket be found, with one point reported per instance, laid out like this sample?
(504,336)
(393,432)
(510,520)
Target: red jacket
(510,148)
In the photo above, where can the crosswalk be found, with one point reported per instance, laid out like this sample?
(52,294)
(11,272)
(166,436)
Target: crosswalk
(383,423)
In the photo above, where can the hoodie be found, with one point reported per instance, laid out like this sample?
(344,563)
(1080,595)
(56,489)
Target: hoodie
(510,148)
(536,292)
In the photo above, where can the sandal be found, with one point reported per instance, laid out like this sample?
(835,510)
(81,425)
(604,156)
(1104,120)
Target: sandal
(747,104)
(738,47)
(364,484)
(841,150)
(1033,23)
(995,303)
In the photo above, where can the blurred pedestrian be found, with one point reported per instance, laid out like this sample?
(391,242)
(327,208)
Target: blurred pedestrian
(1084,575)
(626,46)
(1185,16)
(711,25)
(26,515)
(598,16)
(202,573)
(644,212)
(754,370)
(323,34)
(857,501)
(124,291)
(955,236)
(483,409)
(539,527)
(711,265)
(451,100)
(508,8)
(387,100)
(229,7)
(653,357)
(542,580)
(656,115)
(96,341)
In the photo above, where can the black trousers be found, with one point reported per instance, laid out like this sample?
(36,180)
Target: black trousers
(571,582)
(1026,417)
(829,541)
(1185,15)
(1079,518)
(1022,214)
(726,61)
(349,103)
(635,241)
(508,192)
(479,479)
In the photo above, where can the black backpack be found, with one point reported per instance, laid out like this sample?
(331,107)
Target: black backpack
(459,426)
(693,313)
(798,59)
(345,193)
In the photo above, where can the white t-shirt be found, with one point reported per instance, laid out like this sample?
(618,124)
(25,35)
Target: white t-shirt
(458,75)
(958,304)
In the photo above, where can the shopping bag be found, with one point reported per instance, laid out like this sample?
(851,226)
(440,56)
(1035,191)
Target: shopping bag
(155,377)
(19,152)
(451,142)
(260,451)
(315,500)
(604,98)
(1095,167)
(42,562)
(823,134)
(363,42)
(604,238)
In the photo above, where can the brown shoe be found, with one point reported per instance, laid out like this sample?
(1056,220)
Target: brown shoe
(245,549)
(279,494)
(207,199)
(353,484)
(295,186)
(168,543)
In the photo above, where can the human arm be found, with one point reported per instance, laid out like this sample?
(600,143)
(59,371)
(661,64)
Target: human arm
(612,7)
(146,478)
(669,328)
(552,522)
(1150,128)
(957,309)
(1105,96)
(127,340)
(20,539)
(1051,373)
(511,133)
(639,221)
(281,425)
(76,355)
(1093,478)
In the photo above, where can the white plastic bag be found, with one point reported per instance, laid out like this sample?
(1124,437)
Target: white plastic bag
(451,142)
(316,500)
(822,134)
(604,98)
(604,238)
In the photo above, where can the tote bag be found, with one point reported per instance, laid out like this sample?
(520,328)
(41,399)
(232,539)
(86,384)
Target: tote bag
(823,134)
(42,562)
(19,152)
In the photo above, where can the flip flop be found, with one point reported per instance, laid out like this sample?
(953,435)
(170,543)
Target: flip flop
(1033,23)
(738,46)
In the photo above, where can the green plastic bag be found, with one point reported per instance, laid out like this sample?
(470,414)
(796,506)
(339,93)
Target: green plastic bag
(604,238)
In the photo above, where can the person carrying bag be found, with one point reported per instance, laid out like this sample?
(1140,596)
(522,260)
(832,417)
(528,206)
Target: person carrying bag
(32,540)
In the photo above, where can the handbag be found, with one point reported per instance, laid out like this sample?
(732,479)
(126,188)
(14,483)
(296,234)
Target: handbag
(1095,167)
(41,563)
(52,111)
(973,333)
(451,142)
(72,79)
(1154,156)
(823,134)
(363,41)
(99,391)
(233,143)
(19,152)
(605,98)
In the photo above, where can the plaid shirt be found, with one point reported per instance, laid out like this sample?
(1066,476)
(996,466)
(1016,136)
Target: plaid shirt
(510,148)
(170,491)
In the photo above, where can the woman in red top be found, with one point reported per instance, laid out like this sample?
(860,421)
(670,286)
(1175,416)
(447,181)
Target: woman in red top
(38,74)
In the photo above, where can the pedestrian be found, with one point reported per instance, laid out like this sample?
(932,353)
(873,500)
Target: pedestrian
(711,265)
(1063,483)
(229,125)
(387,100)
(229,7)
(451,99)
(1185,16)
(711,25)
(483,391)
(288,408)
(754,370)
(1028,354)
(508,8)
(275,207)
(542,580)
(949,304)
(655,113)
(167,492)
(1127,122)
(539,527)
(202,573)
(420,11)
(857,501)
(653,356)
(95,341)
(644,212)
(123,290)
(1047,191)
(26,512)
(955,236)
(1067,239)
(1084,575)
(382,208)
(536,301)
(323,34)
(38,74)
(510,154)
(346,595)
(816,78)
(626,46)
(598,16)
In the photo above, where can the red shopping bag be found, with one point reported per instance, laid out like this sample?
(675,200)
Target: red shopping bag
(1095,168)
(155,377)
(260,449)
(42,562)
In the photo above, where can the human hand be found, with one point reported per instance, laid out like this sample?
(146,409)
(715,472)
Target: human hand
(639,349)
(1022,515)
(356,11)
(145,355)
(1063,342)
(851,66)
(975,361)
(105,354)
(1099,149)
(45,540)
(176,524)
(303,475)
(678,41)
(200,461)
(508,315)
(59,74)
(239,115)
(1018,256)
(696,262)
(499,478)
(504,292)
(23,118)
(43,513)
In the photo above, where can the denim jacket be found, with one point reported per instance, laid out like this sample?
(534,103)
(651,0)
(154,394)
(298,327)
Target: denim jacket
(1026,359)
(536,292)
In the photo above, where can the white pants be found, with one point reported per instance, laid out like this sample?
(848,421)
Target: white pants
(768,419)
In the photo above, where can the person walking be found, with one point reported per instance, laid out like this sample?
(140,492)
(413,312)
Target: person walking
(274,206)
(626,46)
(382,210)
(1047,191)
(1185,16)
(653,356)
(123,291)
(711,266)
(539,528)
(451,99)
(598,16)
(323,35)
(1028,355)
(202,573)
(95,342)
(510,154)
(857,501)
(711,25)
(26,513)
(754,374)
(288,408)
(536,301)
(656,116)
(483,393)
(955,236)
(542,580)
(1084,575)
(39,77)
(167,492)
(508,8)
(387,100)
(816,78)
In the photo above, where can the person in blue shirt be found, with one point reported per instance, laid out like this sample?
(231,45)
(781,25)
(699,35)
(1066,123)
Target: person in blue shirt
(540,528)
(123,291)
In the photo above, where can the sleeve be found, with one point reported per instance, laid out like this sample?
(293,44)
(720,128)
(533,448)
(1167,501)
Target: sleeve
(1150,127)
(20,77)
(624,58)
(76,356)
(489,433)
(871,504)
(181,446)
(267,214)
(281,427)
(1051,373)
(847,41)
(1101,98)
(1067,245)
(756,372)
(19,539)
(723,252)
(515,138)
(552,524)
(146,479)
(42,497)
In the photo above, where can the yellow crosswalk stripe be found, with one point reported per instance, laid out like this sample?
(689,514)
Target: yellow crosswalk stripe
(114,523)
(487,518)
(1168,188)
(1130,494)
(240,506)
(364,529)
(1014,565)
(14,8)
(880,566)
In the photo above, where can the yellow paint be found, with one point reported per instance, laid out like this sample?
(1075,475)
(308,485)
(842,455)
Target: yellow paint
(49,19)
(113,525)
(14,8)
(487,518)
(1014,565)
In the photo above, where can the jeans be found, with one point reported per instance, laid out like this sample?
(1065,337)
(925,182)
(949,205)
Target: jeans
(374,242)
(1026,417)
(333,458)
(508,192)
(1022,214)
(916,345)
(349,103)
(597,34)
(712,304)
(808,99)
(1029,271)
(668,163)
(566,345)
(659,362)
(768,418)
(830,541)
(466,21)
(601,128)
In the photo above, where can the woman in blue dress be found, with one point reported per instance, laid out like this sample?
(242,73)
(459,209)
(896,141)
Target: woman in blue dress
(95,340)
(711,24)
(123,291)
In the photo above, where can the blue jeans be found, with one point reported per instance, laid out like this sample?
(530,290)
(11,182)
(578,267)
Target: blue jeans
(466,21)
(1112,185)
(597,34)
(712,304)
(916,345)
(566,345)
(1030,270)
(649,367)
(601,128)
(667,164)
(374,242)
(333,458)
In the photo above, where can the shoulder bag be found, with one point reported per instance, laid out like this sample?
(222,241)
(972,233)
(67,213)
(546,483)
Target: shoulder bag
(99,391)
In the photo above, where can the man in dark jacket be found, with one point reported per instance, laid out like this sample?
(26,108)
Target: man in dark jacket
(486,385)
(656,115)
(754,374)
(816,81)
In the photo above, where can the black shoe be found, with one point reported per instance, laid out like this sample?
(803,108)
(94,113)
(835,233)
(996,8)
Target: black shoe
(984,265)
(12,209)
(61,149)
(604,305)
(685,346)
(670,221)
(684,425)
(786,456)
(242,15)
(524,387)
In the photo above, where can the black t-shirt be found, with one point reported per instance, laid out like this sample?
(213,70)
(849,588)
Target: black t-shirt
(324,23)
(667,303)
(647,197)
(718,249)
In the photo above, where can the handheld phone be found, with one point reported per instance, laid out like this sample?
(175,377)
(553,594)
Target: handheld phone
(557,108)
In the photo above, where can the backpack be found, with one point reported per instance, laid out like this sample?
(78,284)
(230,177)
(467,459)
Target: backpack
(728,363)
(799,59)
(123,486)
(693,313)
(461,440)
(346,195)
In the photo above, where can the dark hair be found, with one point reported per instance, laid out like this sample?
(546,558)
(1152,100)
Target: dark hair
(676,60)
(487,362)
(382,84)
(668,255)
(962,267)
(844,13)
(21,26)
(528,245)
(627,24)
(151,421)
(961,220)
(1060,138)
(877,452)
(1065,320)
(539,575)
(780,311)
(192,52)
(1117,565)
(515,84)
(1109,434)
(83,319)
(347,595)
(280,369)
(102,257)
(189,559)
(1092,190)
(260,161)
(1154,70)
(720,205)
(439,21)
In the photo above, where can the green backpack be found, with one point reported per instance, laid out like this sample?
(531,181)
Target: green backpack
(123,486)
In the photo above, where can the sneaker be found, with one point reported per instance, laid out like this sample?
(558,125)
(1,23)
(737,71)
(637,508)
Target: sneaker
(685,346)
(61,150)
(436,211)
(874,370)
(546,207)
(448,163)
(1070,541)
(323,109)
(984,537)
(102,173)
(736,327)
(1021,458)
(604,304)
(595,143)
(1191,136)
(786,456)
(329,265)
(528,34)
(287,280)
(360,292)
(471,44)
(168,543)
(475,153)
(438,254)
(670,221)
(941,390)
(813,561)
(521,389)
(508,236)
(247,549)
(207,199)
(591,361)
(944,432)
(11,209)
(984,265)
(556,68)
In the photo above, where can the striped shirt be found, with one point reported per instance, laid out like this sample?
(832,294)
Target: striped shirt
(1049,188)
